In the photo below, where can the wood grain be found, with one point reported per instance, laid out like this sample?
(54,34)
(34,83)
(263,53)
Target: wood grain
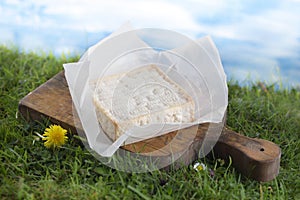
(255,158)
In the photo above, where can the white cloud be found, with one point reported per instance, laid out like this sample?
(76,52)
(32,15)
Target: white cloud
(107,15)
(247,65)
(276,30)
(261,37)
(6,35)
(31,41)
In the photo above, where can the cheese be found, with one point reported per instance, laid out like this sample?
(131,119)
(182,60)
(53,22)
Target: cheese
(138,98)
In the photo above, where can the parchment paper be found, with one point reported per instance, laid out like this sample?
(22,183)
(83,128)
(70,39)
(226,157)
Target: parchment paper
(195,65)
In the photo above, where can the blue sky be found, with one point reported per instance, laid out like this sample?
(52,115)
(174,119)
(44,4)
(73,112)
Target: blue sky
(256,39)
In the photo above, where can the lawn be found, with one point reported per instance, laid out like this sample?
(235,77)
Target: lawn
(28,170)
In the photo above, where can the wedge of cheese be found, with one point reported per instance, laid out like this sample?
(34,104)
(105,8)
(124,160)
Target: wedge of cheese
(138,98)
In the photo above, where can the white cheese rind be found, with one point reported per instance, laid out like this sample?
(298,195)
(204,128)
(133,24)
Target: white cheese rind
(140,97)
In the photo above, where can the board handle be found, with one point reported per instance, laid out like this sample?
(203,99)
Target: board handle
(255,158)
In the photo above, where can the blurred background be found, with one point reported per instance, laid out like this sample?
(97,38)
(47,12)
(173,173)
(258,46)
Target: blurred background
(257,40)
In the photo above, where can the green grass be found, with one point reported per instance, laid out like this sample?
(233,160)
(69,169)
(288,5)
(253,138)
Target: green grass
(30,171)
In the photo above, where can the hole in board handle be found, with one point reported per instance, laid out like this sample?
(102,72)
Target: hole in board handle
(262,149)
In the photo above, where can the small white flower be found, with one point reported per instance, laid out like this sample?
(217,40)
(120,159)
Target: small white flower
(199,166)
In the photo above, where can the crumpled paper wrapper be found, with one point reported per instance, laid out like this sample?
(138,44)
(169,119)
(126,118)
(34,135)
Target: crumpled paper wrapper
(194,64)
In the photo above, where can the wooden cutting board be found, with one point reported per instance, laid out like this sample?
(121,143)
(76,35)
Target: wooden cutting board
(255,158)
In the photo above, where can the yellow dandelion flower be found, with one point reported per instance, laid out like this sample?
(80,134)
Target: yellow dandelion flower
(55,136)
